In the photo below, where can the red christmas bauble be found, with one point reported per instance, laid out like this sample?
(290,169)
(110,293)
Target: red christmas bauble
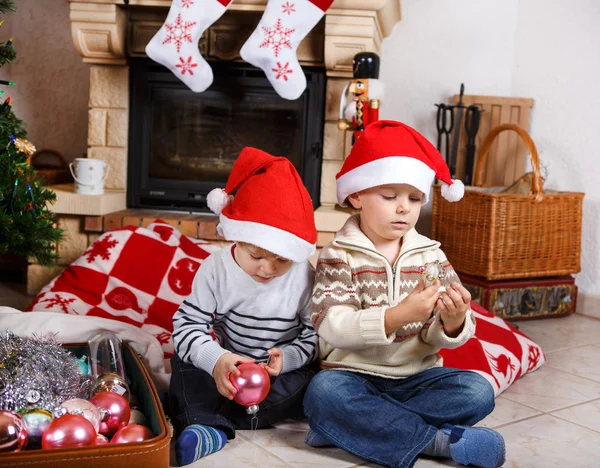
(252,385)
(114,410)
(13,432)
(101,440)
(132,433)
(69,431)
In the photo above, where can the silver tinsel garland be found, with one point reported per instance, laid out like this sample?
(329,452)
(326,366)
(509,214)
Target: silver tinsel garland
(36,372)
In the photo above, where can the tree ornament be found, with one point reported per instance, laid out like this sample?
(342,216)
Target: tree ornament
(108,371)
(37,421)
(101,440)
(69,431)
(252,385)
(132,433)
(24,146)
(114,412)
(84,408)
(13,433)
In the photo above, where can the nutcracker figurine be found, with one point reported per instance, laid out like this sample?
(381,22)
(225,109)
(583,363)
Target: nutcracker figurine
(366,90)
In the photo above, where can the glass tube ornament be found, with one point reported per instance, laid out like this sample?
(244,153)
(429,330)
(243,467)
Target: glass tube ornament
(108,371)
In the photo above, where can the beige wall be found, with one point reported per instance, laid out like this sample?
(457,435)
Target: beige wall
(52,81)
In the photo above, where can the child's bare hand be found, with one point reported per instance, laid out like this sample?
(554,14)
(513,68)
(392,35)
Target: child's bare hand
(275,363)
(453,305)
(225,366)
(416,307)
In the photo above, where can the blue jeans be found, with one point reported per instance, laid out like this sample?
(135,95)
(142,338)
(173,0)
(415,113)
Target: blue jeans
(390,421)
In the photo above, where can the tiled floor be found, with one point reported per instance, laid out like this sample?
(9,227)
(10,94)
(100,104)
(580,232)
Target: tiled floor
(550,418)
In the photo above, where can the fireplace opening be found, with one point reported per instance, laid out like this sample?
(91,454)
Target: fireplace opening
(183,144)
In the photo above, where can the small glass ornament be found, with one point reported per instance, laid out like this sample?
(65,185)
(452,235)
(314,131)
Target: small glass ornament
(101,440)
(252,385)
(430,272)
(132,433)
(84,408)
(37,421)
(69,431)
(108,371)
(13,432)
(137,417)
(114,412)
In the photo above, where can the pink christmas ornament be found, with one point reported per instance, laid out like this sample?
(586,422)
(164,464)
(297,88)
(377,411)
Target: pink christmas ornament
(101,440)
(132,433)
(84,408)
(69,431)
(252,385)
(13,433)
(114,411)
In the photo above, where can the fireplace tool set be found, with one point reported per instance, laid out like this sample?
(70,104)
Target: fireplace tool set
(449,120)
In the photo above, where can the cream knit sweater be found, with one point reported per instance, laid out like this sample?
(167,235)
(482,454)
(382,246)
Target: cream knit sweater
(355,285)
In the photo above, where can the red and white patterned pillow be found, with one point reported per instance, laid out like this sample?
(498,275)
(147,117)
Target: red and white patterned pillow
(132,274)
(498,351)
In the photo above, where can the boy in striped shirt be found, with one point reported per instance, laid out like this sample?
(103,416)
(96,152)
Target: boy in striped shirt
(249,302)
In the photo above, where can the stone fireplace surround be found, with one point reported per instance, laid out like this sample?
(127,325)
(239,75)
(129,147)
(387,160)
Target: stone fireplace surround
(106,32)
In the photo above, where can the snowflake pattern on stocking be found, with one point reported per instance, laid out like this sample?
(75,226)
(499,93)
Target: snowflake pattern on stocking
(100,248)
(186,66)
(277,37)
(187,3)
(282,71)
(288,8)
(179,32)
(59,301)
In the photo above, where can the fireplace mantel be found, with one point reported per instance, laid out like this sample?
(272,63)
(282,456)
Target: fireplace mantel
(100,27)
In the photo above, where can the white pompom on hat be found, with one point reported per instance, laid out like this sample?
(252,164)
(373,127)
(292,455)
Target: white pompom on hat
(390,152)
(271,208)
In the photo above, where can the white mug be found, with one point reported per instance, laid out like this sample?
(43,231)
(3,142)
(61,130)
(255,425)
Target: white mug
(89,175)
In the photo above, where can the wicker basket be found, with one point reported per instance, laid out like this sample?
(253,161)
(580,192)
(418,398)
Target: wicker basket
(507,236)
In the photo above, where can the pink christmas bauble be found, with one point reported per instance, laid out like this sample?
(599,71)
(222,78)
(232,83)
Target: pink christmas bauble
(132,433)
(69,431)
(84,408)
(13,433)
(252,385)
(101,440)
(114,411)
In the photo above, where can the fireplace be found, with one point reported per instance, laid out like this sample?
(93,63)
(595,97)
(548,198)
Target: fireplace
(183,144)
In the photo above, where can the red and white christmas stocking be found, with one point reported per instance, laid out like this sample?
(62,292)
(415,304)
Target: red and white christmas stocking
(175,45)
(273,44)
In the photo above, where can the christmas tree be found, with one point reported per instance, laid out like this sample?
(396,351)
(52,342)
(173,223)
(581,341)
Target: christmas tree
(27,227)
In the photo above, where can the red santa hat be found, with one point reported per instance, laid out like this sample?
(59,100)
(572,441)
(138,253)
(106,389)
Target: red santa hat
(271,209)
(390,152)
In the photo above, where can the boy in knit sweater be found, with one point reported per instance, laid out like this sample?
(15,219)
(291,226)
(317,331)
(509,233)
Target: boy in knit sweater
(249,302)
(385,301)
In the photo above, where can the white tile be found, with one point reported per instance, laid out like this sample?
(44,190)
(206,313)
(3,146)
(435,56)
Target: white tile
(560,333)
(549,442)
(238,452)
(423,462)
(507,411)
(587,414)
(584,361)
(548,389)
(286,442)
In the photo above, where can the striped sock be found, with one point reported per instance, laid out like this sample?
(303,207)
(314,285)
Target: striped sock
(198,441)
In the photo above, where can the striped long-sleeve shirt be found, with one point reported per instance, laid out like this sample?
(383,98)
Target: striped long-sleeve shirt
(248,318)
